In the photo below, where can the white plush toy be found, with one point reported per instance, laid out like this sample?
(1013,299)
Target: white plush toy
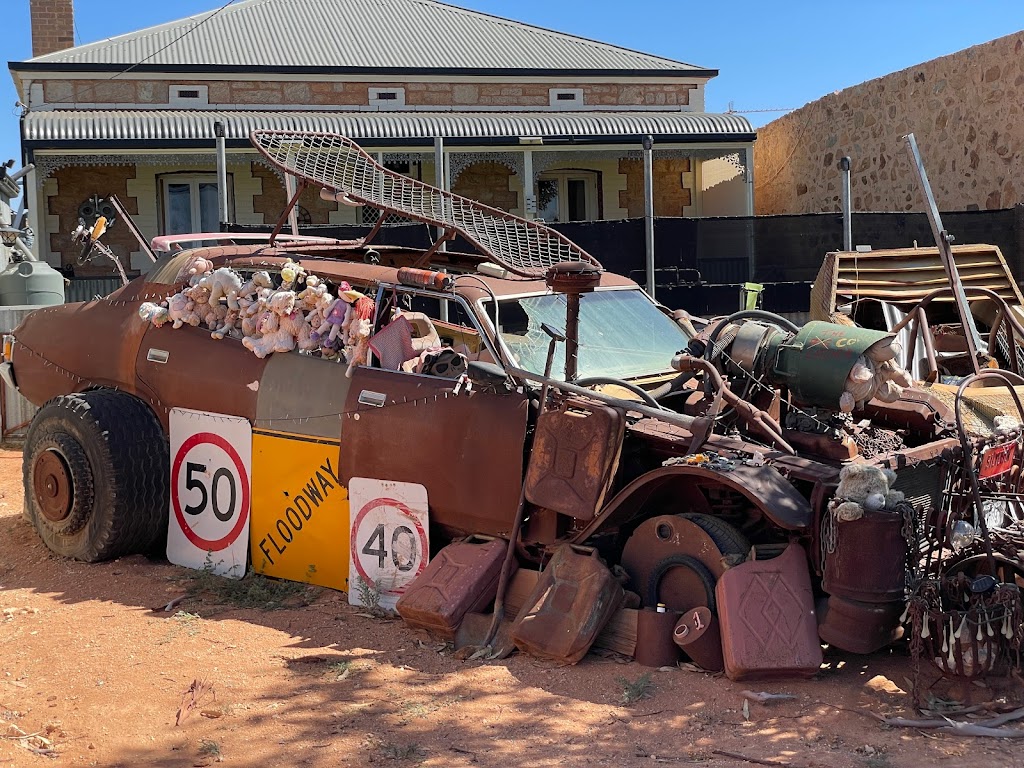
(274,338)
(224,283)
(181,310)
(153,313)
(253,286)
(864,487)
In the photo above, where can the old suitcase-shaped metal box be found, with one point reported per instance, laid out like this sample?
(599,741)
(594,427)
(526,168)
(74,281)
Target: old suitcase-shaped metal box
(462,577)
(768,624)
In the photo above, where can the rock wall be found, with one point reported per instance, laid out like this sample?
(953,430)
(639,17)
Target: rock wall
(965,111)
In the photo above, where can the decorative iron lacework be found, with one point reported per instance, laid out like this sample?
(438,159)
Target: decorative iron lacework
(47,165)
(339,165)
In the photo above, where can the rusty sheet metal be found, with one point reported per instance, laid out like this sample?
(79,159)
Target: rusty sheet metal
(301,394)
(185,368)
(97,348)
(466,449)
(768,619)
(904,276)
(575,455)
(763,486)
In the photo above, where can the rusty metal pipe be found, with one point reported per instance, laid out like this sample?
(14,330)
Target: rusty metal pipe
(506,566)
(750,413)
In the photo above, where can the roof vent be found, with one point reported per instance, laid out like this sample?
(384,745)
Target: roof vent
(188,96)
(387,98)
(565,98)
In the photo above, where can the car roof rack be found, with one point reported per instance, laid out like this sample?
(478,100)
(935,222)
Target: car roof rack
(348,175)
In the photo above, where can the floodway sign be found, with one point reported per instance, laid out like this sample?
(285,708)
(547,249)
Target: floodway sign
(211,471)
(389,538)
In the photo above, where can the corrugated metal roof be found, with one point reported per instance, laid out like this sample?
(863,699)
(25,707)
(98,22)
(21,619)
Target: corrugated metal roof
(359,34)
(192,125)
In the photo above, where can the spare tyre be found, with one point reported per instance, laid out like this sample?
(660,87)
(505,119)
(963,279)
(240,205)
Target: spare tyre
(95,475)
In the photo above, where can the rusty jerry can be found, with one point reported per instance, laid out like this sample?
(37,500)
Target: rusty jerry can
(574,598)
(462,578)
(768,624)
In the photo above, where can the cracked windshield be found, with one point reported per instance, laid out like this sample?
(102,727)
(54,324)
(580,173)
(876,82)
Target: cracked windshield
(622,334)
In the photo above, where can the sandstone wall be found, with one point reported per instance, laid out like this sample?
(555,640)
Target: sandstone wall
(965,111)
(316,94)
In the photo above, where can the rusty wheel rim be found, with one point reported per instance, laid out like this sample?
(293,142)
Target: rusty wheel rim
(52,485)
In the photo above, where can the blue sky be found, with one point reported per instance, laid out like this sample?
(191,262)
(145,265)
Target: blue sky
(771,55)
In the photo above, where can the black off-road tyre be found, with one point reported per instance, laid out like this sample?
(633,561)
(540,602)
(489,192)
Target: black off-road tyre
(726,537)
(666,564)
(95,473)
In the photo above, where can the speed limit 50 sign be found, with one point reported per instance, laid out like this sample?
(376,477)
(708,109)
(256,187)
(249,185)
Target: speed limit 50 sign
(211,467)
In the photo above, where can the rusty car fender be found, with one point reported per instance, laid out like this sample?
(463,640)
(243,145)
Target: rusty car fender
(763,486)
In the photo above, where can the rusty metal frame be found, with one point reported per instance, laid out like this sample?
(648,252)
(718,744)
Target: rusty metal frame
(968,449)
(917,319)
(299,189)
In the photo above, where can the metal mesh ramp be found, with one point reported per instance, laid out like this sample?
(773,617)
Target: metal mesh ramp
(339,165)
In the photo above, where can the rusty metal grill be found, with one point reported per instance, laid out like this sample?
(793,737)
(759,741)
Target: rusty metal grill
(339,165)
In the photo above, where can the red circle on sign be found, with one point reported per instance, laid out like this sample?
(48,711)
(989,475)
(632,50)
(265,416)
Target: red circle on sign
(354,543)
(215,545)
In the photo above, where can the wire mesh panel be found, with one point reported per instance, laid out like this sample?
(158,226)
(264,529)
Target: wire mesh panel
(338,164)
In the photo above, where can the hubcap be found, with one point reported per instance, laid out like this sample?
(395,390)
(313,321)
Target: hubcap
(52,486)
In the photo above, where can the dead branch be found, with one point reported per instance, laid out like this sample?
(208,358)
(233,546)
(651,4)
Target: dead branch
(192,698)
(746,759)
(970,729)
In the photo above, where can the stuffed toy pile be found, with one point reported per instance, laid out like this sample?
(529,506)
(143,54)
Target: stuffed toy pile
(876,374)
(299,314)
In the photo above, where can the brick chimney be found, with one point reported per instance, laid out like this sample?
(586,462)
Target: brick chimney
(53,26)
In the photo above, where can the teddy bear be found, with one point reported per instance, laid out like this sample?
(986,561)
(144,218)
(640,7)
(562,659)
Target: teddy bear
(227,325)
(250,312)
(310,296)
(153,313)
(274,337)
(357,346)
(181,310)
(252,286)
(864,488)
(296,324)
(200,296)
(193,270)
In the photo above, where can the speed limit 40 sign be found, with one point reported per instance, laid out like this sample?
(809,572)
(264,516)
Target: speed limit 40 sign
(389,543)
(211,467)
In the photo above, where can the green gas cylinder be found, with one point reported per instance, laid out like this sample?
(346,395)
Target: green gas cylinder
(815,363)
(30,283)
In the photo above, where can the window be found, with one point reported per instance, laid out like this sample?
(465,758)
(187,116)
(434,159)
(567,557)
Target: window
(189,203)
(568,196)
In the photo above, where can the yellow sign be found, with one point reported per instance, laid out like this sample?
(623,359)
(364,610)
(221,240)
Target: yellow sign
(300,520)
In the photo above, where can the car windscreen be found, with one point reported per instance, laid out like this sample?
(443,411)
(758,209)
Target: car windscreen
(622,333)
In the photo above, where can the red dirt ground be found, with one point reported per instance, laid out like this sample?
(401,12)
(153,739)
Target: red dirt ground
(91,662)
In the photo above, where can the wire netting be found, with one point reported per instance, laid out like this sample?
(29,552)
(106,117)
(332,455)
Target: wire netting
(338,164)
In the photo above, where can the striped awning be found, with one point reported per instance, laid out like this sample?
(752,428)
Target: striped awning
(167,128)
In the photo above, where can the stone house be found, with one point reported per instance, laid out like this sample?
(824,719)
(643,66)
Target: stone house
(965,110)
(536,122)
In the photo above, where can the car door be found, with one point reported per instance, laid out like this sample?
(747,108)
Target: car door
(464,445)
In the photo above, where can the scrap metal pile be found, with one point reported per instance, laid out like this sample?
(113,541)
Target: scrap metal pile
(734,491)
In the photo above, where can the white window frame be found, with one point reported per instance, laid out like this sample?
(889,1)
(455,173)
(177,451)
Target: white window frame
(562,177)
(194,179)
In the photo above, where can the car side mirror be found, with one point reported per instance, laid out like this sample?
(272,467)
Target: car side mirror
(487,374)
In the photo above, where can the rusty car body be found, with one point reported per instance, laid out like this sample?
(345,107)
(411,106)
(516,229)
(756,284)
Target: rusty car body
(628,436)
